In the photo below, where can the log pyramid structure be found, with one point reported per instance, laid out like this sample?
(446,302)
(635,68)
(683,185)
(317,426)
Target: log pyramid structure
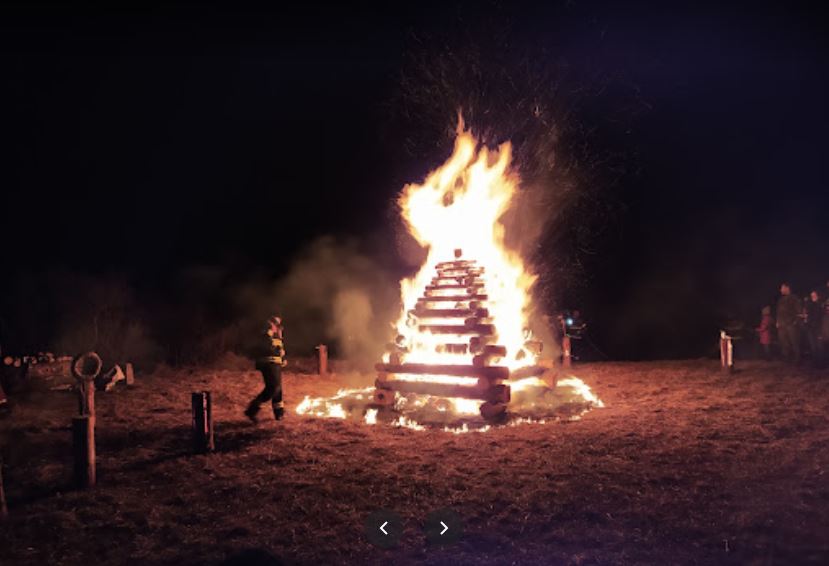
(453,305)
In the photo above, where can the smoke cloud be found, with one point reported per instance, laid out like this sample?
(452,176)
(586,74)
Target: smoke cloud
(334,294)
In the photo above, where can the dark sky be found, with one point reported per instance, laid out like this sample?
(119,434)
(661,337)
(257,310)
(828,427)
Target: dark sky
(143,142)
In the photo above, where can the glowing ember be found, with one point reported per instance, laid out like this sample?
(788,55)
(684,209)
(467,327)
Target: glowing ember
(533,403)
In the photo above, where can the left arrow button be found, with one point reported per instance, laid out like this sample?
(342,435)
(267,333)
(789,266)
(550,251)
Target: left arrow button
(383,528)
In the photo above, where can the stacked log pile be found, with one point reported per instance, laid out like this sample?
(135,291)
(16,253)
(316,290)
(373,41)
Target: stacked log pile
(454,306)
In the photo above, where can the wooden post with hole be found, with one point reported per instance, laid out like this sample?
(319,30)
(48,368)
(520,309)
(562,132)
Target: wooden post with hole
(85,368)
(322,359)
(203,440)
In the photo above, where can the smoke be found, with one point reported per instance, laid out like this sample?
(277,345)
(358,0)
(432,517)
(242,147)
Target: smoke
(333,294)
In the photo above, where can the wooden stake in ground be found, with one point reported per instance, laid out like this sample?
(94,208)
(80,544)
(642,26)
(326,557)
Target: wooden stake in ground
(322,359)
(83,448)
(4,510)
(85,368)
(566,351)
(726,352)
(202,422)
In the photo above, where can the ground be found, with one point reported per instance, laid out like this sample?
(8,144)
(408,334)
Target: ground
(684,465)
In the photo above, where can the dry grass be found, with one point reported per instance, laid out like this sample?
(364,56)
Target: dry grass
(684,465)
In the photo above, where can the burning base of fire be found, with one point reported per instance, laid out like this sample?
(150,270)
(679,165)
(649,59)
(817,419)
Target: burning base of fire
(533,401)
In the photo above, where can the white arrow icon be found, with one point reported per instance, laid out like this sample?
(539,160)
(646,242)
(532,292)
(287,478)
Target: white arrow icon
(445,528)
(383,529)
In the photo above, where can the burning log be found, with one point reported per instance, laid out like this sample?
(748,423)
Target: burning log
(490,373)
(488,354)
(452,299)
(471,272)
(423,312)
(479,329)
(457,264)
(497,393)
(471,288)
(450,281)
(452,348)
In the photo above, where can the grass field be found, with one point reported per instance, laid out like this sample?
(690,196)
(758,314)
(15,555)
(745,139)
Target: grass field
(684,465)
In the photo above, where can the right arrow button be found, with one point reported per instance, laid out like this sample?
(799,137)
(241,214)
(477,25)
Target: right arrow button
(443,527)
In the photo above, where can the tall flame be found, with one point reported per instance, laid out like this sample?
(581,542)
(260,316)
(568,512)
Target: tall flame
(459,206)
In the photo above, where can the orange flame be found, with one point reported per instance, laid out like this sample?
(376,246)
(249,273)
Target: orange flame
(459,206)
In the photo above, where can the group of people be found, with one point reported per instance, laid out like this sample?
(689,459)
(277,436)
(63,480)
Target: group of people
(797,321)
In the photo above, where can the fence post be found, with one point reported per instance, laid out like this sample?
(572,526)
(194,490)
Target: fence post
(4,510)
(726,352)
(202,422)
(322,359)
(83,447)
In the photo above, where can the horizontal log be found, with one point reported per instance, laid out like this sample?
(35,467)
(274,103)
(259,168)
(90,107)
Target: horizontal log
(452,348)
(496,393)
(453,299)
(479,329)
(472,288)
(456,263)
(460,271)
(490,373)
(494,350)
(423,312)
(465,278)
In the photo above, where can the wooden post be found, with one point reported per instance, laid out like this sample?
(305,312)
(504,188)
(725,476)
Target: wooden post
(202,422)
(4,510)
(566,352)
(726,352)
(83,447)
(86,398)
(129,372)
(322,359)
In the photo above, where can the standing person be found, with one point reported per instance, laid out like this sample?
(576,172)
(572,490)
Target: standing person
(788,323)
(813,309)
(764,332)
(270,359)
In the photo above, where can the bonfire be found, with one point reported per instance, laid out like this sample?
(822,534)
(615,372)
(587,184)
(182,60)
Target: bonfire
(462,344)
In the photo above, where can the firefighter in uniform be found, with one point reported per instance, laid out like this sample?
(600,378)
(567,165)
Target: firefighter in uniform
(270,360)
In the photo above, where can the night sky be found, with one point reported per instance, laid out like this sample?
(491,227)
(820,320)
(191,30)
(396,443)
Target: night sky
(143,143)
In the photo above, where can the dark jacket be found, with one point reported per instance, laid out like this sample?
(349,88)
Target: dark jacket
(270,349)
(788,310)
(814,314)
